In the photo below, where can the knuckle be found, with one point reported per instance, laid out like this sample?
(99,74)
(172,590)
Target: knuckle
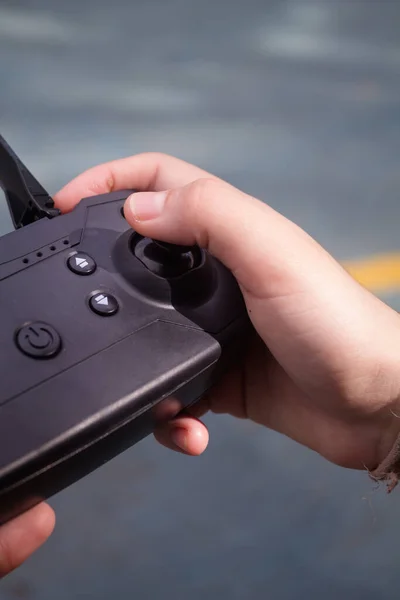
(154,157)
(201,194)
(100,179)
(198,207)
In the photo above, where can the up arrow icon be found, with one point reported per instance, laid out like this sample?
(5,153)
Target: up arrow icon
(81,262)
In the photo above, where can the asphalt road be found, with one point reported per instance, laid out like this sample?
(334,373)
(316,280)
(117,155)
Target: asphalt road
(298,103)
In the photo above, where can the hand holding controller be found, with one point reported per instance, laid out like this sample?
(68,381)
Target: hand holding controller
(104,327)
(324,370)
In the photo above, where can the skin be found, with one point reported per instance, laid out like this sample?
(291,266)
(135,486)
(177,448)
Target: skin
(323,366)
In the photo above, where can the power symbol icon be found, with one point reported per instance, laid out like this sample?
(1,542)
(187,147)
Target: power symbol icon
(38,337)
(38,340)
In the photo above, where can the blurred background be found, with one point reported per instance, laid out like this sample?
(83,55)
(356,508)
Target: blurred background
(298,103)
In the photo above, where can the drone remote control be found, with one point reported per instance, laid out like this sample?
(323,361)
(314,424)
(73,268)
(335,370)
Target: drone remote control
(100,328)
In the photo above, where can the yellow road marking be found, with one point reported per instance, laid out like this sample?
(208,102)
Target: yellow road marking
(379,273)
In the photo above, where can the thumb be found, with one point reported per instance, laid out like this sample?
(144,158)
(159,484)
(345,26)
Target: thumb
(303,303)
(268,254)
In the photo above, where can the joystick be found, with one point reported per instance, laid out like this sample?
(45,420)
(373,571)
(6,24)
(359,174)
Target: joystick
(100,327)
(164,259)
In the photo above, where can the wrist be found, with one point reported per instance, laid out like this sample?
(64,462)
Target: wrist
(387,467)
(379,398)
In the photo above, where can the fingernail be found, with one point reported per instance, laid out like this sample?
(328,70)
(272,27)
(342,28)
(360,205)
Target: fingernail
(179,437)
(146,205)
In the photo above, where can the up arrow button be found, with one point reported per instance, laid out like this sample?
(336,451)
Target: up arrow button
(81,264)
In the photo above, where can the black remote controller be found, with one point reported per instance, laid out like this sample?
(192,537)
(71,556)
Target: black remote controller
(100,328)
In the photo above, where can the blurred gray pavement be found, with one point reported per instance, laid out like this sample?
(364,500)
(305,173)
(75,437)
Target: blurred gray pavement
(298,103)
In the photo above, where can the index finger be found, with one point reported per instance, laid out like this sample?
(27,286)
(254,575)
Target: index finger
(142,172)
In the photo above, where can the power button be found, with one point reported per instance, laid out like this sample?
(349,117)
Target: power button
(38,340)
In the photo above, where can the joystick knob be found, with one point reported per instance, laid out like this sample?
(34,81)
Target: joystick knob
(167,260)
(183,276)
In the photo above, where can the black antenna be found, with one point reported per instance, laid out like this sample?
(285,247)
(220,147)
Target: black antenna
(27,200)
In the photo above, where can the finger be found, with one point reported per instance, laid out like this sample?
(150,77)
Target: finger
(148,171)
(185,434)
(23,536)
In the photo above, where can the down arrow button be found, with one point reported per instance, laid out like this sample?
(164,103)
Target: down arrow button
(103,304)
